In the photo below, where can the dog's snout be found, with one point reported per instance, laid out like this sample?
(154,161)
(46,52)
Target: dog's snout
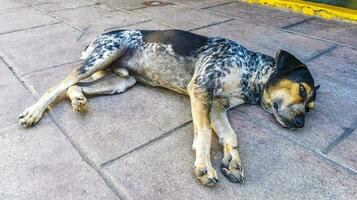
(299,121)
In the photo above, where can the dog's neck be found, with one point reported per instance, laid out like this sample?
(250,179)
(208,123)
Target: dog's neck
(263,67)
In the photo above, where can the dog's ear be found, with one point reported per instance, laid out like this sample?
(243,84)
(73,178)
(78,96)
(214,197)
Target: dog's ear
(317,87)
(315,91)
(286,62)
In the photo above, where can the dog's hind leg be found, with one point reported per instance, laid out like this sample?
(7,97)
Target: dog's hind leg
(108,84)
(103,51)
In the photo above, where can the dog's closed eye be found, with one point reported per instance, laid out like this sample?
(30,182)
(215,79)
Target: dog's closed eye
(302,91)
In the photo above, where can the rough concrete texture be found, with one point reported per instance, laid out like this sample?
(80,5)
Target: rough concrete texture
(137,145)
(259,14)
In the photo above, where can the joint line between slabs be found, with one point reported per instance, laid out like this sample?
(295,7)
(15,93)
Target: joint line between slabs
(30,28)
(298,23)
(54,16)
(150,142)
(302,145)
(222,4)
(116,189)
(209,25)
(72,8)
(48,68)
(321,53)
(345,134)
(269,26)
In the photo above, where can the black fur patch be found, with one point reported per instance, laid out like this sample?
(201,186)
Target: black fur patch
(183,43)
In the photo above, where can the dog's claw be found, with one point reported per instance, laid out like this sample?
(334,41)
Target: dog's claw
(233,175)
(30,117)
(233,170)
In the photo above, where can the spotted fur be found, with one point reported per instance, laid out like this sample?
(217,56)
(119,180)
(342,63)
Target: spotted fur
(156,59)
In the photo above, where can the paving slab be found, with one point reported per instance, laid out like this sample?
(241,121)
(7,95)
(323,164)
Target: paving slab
(15,20)
(266,40)
(339,65)
(202,3)
(345,152)
(11,4)
(116,124)
(148,25)
(329,29)
(98,18)
(124,4)
(41,48)
(38,2)
(260,14)
(14,98)
(275,169)
(180,16)
(40,163)
(56,5)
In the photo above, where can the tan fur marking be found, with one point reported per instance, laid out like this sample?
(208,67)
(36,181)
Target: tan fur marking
(203,135)
(232,165)
(288,91)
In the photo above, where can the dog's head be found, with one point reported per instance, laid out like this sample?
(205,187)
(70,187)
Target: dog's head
(290,91)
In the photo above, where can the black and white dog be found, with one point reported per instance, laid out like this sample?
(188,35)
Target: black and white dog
(216,73)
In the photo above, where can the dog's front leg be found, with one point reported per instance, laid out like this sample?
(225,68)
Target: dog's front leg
(203,135)
(231,163)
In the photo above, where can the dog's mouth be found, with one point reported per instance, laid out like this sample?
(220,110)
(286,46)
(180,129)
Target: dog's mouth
(281,121)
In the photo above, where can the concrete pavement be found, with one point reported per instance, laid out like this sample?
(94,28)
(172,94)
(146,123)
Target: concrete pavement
(137,145)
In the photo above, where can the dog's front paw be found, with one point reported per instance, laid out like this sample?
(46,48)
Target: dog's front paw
(30,116)
(232,168)
(206,174)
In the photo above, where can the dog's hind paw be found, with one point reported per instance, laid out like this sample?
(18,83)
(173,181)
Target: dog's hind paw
(30,116)
(206,174)
(79,104)
(78,100)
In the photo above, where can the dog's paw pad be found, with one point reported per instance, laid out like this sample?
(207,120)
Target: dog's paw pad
(79,104)
(207,175)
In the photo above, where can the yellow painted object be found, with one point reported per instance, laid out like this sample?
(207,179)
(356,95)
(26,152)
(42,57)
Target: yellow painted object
(310,8)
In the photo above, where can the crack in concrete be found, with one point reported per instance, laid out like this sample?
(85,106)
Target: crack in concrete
(321,53)
(222,4)
(83,33)
(298,23)
(209,25)
(128,25)
(150,142)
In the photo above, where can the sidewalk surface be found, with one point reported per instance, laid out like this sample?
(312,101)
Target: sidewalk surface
(137,145)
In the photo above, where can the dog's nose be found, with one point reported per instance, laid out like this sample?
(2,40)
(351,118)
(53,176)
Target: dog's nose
(299,121)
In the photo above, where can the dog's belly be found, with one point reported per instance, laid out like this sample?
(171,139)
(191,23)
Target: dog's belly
(157,65)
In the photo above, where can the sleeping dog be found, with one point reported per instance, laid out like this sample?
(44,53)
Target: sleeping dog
(216,73)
